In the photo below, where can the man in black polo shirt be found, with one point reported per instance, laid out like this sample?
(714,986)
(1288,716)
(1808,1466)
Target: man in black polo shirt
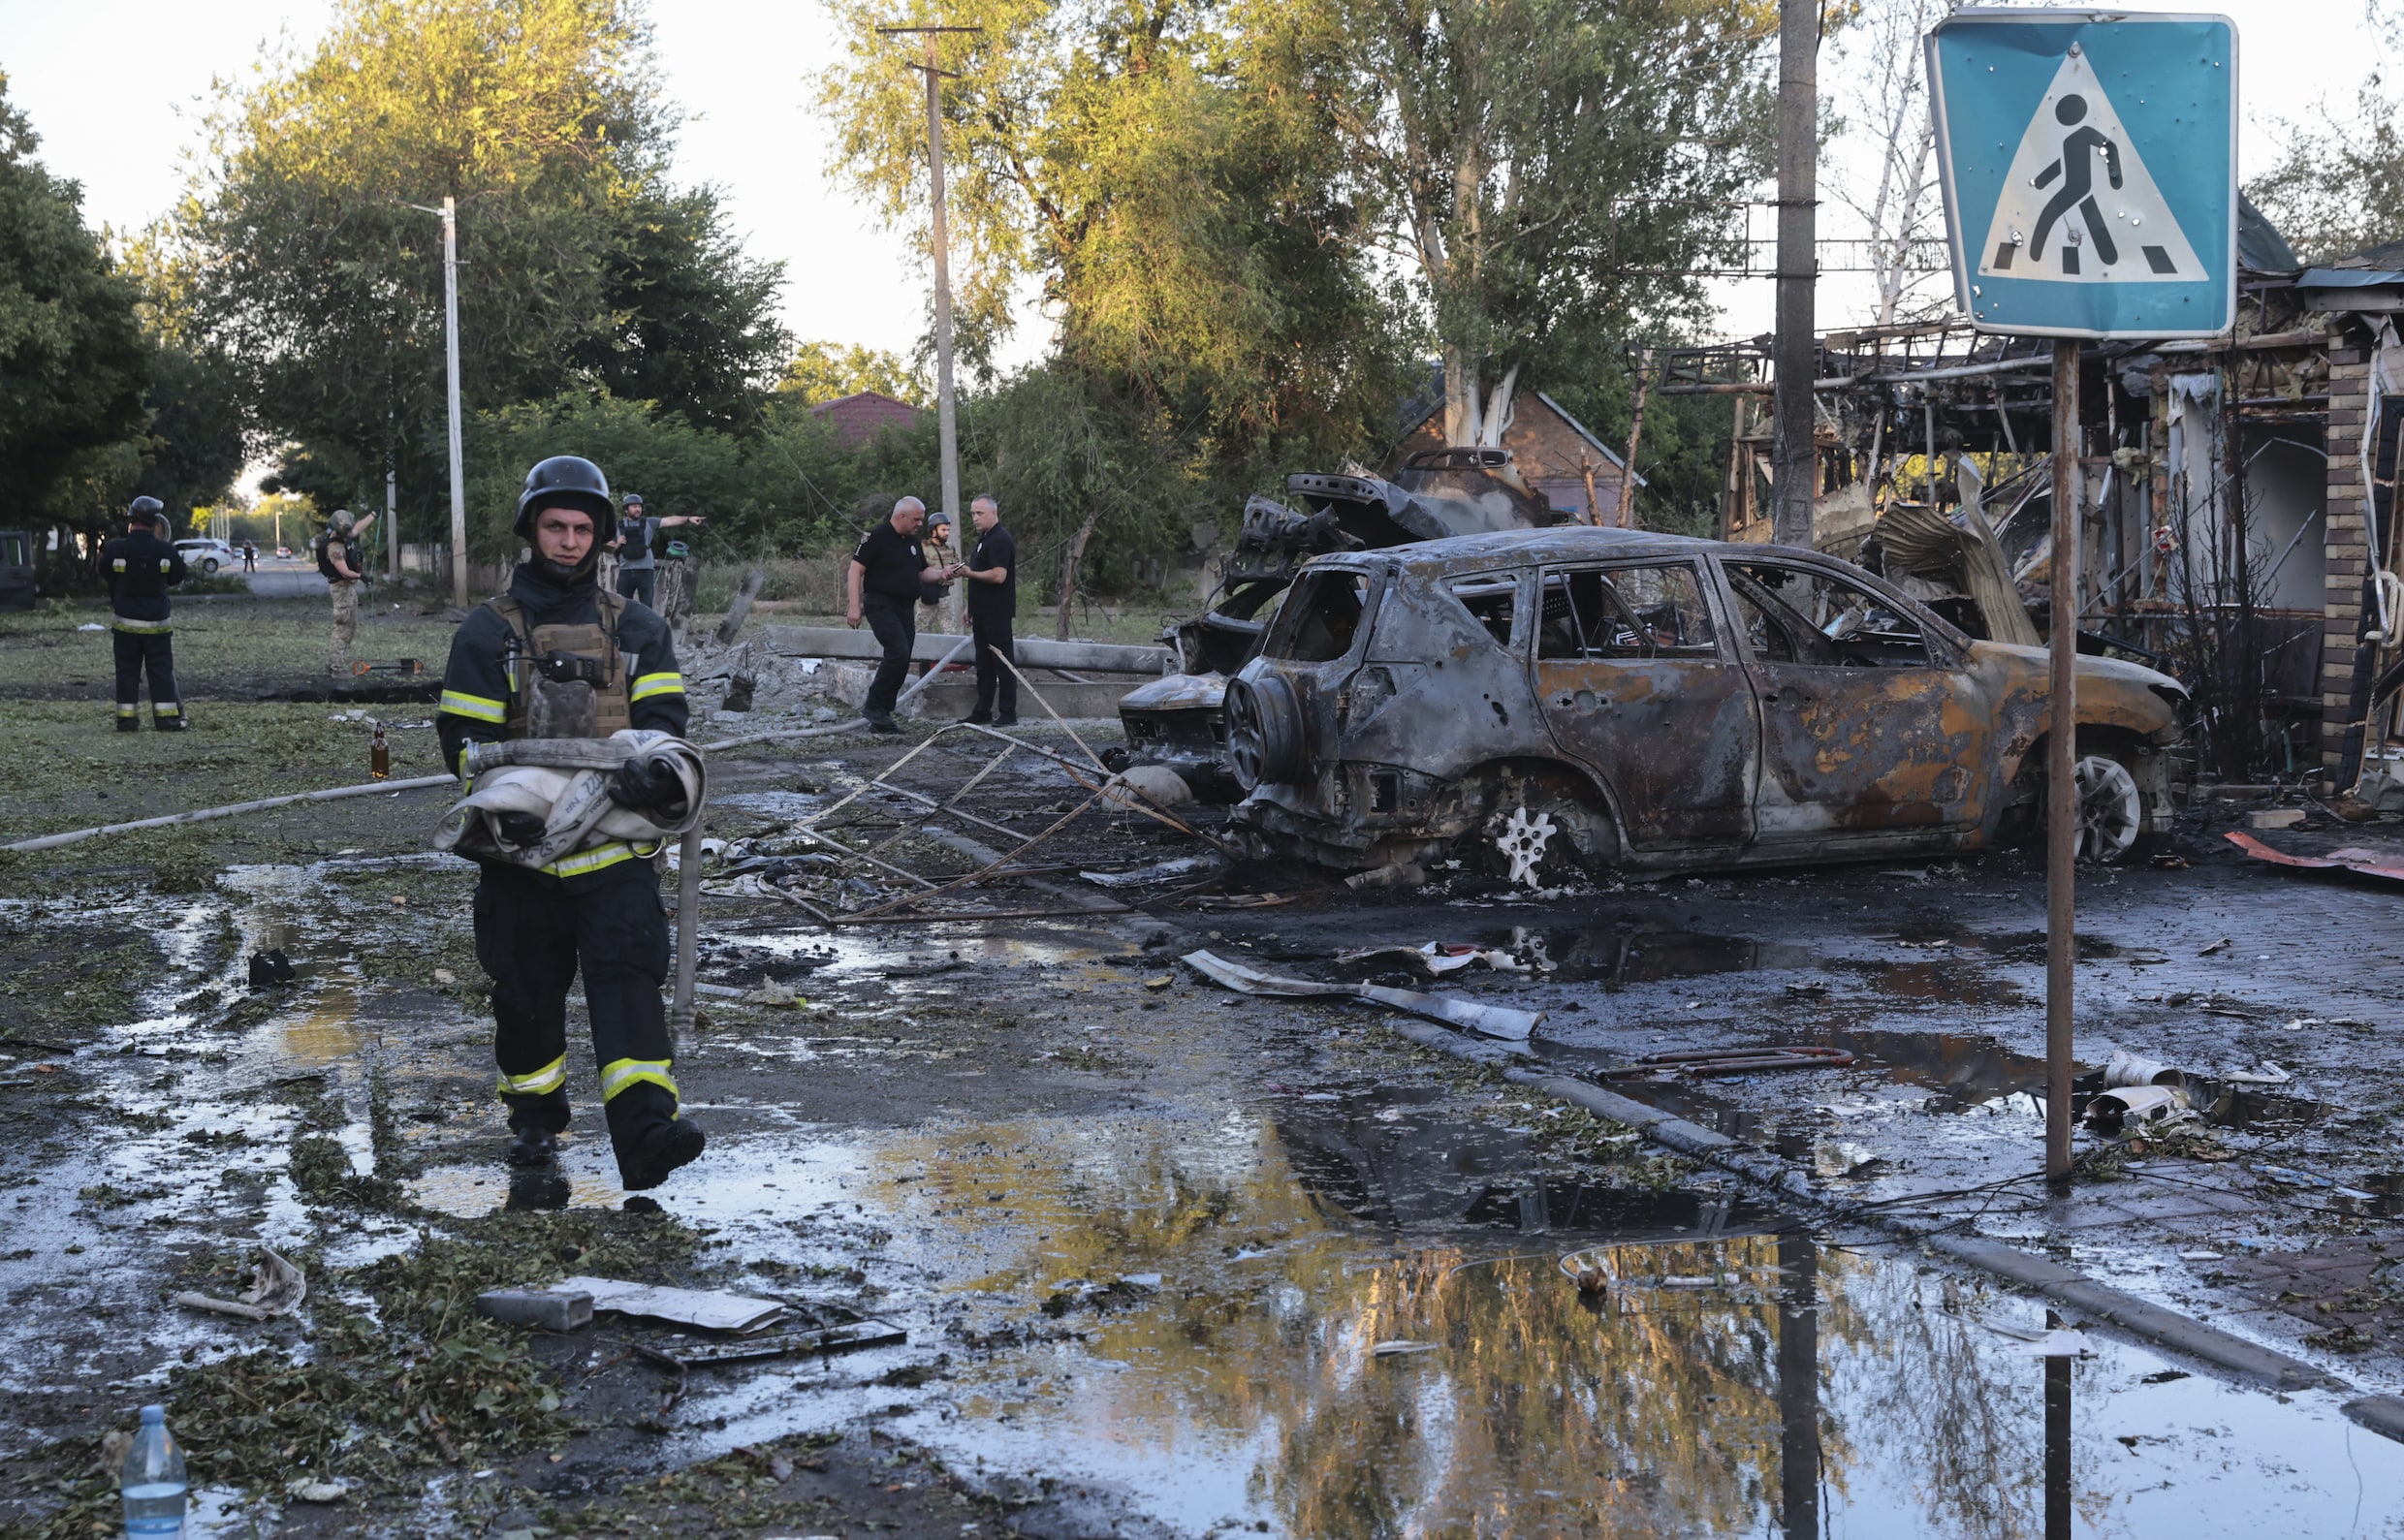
(992,574)
(881,587)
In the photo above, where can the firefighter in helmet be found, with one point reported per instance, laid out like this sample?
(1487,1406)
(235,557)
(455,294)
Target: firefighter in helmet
(556,657)
(141,564)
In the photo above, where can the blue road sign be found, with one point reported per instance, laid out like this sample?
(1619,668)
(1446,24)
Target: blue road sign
(2090,171)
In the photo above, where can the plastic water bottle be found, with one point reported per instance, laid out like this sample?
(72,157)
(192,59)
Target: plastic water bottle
(152,1481)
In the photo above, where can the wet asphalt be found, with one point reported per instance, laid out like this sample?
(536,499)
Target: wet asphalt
(1171,1261)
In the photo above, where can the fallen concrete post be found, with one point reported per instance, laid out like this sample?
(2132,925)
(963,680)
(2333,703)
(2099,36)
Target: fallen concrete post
(1492,1020)
(204,814)
(935,647)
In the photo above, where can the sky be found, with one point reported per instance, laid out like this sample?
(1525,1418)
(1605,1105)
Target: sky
(117,88)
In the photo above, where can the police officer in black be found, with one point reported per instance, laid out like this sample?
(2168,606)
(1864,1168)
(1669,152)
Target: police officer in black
(597,910)
(142,565)
(882,587)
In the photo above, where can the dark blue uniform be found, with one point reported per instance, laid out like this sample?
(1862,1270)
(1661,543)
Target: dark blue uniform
(596,911)
(141,568)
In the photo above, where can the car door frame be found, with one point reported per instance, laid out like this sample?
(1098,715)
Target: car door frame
(1647,822)
(1936,786)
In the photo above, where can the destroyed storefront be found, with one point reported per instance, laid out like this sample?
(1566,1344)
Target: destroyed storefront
(2228,539)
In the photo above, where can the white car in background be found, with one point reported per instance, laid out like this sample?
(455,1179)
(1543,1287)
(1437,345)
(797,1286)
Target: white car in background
(205,556)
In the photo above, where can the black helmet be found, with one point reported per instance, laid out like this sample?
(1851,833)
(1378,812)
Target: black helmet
(631,501)
(563,480)
(146,511)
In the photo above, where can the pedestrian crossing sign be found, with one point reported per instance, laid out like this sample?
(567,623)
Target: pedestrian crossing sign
(2089,163)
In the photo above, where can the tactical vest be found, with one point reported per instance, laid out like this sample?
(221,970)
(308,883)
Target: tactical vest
(324,544)
(566,681)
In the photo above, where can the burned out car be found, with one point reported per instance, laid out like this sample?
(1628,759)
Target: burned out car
(1178,720)
(1606,698)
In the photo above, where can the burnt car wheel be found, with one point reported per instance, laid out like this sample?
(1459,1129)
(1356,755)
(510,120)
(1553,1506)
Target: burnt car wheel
(1264,731)
(2114,825)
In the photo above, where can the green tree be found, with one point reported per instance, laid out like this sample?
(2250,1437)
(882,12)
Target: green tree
(312,265)
(2337,187)
(1549,174)
(1177,213)
(823,371)
(74,365)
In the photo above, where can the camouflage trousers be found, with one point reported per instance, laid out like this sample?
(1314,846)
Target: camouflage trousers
(345,627)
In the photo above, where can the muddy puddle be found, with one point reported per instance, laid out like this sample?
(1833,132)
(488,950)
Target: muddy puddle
(1343,1313)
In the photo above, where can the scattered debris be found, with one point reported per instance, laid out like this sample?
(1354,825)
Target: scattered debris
(304,1490)
(1492,1020)
(1434,959)
(2222,944)
(1156,784)
(2131,1107)
(1731,1061)
(1157,871)
(848,1337)
(1400,1349)
(2061,1341)
(276,1290)
(2129,1069)
(710,1309)
(544,1310)
(1402,874)
(2362,859)
(271,967)
(2274,818)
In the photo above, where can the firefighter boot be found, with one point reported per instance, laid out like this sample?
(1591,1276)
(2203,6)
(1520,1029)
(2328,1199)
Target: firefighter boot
(649,1138)
(534,1125)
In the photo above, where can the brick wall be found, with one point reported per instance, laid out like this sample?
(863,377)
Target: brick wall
(2349,388)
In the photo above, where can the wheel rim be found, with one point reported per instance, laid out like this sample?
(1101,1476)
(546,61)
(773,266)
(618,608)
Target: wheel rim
(1244,734)
(2110,811)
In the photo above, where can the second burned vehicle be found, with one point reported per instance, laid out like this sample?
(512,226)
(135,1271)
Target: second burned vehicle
(1604,698)
(1178,720)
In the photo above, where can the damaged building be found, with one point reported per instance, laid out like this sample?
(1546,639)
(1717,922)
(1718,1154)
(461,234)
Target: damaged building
(2235,498)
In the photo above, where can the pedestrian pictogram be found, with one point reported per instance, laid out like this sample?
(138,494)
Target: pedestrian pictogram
(2090,170)
(2078,204)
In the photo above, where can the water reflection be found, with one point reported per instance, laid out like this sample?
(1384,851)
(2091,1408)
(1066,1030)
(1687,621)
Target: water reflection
(1733,1384)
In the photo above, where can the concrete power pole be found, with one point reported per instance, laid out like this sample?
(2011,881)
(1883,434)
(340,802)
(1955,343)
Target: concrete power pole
(451,347)
(1793,462)
(947,422)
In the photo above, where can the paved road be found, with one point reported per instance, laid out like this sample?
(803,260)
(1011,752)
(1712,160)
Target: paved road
(283,581)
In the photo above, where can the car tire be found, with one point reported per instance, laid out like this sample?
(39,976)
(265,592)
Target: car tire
(2119,823)
(1264,731)
(209,566)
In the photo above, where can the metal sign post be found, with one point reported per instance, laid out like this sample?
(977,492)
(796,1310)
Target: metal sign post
(2089,162)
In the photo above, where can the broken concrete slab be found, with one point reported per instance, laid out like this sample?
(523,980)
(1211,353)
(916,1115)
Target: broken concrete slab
(544,1309)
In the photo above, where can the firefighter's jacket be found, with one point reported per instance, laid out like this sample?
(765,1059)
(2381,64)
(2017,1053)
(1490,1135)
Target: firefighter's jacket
(496,684)
(140,569)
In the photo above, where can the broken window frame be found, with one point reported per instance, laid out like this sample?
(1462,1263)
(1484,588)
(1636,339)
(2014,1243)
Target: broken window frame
(1300,605)
(1625,615)
(1932,638)
(1473,590)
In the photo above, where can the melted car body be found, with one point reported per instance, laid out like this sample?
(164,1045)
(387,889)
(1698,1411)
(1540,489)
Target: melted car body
(1653,702)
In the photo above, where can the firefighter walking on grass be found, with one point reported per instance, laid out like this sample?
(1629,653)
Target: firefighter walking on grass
(555,657)
(142,565)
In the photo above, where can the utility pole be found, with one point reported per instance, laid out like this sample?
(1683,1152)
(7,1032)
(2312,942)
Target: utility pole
(451,348)
(392,523)
(450,214)
(947,419)
(1793,459)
